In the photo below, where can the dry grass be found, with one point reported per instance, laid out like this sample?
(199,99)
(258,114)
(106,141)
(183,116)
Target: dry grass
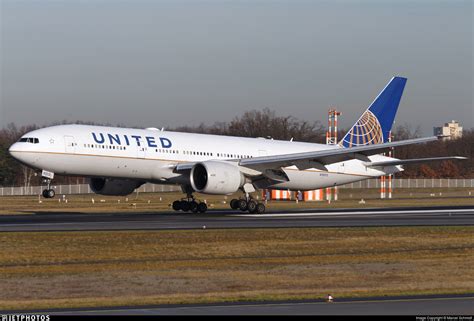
(161,202)
(72,269)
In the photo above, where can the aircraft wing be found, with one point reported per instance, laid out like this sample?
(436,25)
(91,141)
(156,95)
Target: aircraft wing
(325,157)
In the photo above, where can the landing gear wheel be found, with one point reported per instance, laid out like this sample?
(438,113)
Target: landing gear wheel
(177,205)
(48,193)
(51,193)
(234,204)
(193,206)
(202,207)
(185,206)
(251,206)
(260,208)
(242,205)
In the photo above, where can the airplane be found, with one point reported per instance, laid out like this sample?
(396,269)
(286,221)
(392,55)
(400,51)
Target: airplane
(119,160)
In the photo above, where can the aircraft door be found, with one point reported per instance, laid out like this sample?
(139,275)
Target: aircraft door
(69,144)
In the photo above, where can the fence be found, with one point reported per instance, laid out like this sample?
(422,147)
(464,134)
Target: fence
(148,188)
(79,189)
(415,183)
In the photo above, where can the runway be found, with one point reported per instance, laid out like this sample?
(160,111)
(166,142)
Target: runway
(444,216)
(421,306)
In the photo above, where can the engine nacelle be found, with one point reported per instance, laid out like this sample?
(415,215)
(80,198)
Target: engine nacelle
(111,186)
(214,177)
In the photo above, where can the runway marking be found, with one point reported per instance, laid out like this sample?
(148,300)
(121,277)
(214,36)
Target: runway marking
(263,304)
(82,223)
(276,215)
(370,213)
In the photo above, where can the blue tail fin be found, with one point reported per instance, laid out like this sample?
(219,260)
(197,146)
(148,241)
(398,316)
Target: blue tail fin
(376,122)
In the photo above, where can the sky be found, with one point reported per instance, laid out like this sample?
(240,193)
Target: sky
(184,62)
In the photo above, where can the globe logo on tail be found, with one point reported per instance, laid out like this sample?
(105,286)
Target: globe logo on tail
(367,131)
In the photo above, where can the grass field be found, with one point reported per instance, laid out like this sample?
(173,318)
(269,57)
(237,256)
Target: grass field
(109,268)
(74,269)
(159,202)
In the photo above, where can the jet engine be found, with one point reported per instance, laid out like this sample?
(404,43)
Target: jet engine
(214,177)
(110,186)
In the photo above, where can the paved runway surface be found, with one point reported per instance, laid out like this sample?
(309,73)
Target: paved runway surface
(234,219)
(396,306)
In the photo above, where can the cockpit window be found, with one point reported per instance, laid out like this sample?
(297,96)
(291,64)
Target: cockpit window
(31,140)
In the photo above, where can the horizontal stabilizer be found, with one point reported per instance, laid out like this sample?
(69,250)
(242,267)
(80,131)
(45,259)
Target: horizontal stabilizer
(326,156)
(411,161)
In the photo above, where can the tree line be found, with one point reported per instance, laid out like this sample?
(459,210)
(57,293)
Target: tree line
(266,123)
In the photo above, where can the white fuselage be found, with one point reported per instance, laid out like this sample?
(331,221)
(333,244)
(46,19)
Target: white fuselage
(151,155)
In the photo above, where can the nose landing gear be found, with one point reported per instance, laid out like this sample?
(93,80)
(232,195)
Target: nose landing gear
(47,178)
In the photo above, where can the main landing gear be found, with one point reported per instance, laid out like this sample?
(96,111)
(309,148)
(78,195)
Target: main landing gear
(248,204)
(189,204)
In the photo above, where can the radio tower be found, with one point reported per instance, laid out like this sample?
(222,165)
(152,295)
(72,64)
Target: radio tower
(331,139)
(331,134)
(386,181)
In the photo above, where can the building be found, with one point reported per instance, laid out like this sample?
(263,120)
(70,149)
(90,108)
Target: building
(452,130)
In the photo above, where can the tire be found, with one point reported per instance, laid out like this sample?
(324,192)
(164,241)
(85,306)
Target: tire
(51,193)
(177,205)
(234,204)
(243,205)
(193,206)
(260,208)
(252,206)
(202,207)
(185,206)
(45,193)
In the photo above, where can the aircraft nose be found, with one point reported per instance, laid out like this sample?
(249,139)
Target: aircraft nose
(20,152)
(14,149)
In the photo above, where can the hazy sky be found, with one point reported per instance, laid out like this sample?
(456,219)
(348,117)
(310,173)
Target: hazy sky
(168,63)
